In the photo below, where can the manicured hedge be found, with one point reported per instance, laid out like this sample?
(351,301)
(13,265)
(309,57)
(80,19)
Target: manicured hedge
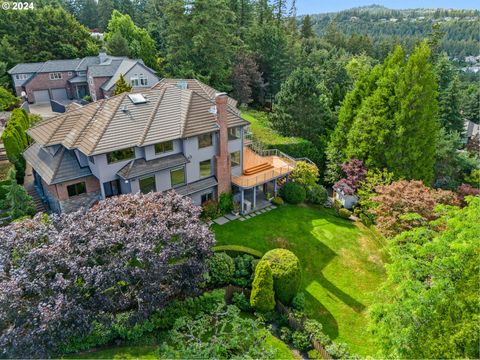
(220,269)
(238,249)
(286,272)
(263,297)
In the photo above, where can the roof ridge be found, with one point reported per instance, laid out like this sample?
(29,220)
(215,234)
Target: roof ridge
(185,117)
(64,117)
(121,97)
(152,116)
(100,106)
(58,162)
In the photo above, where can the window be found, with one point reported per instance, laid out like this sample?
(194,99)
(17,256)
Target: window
(21,76)
(112,188)
(235,158)
(205,140)
(119,155)
(134,80)
(206,197)
(90,80)
(143,80)
(55,76)
(81,73)
(147,184)
(234,133)
(69,73)
(177,176)
(164,147)
(76,189)
(205,168)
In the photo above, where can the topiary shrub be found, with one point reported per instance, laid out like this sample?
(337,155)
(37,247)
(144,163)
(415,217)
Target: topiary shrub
(344,213)
(277,201)
(225,203)
(221,269)
(317,194)
(286,273)
(298,302)
(263,297)
(293,193)
(300,341)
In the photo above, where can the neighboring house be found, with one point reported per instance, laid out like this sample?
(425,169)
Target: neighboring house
(180,134)
(63,80)
(345,195)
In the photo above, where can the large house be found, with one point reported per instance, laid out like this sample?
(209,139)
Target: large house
(180,134)
(62,80)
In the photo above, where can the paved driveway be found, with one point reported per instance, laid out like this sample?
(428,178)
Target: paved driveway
(44,109)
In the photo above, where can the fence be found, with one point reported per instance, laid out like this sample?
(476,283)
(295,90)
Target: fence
(292,321)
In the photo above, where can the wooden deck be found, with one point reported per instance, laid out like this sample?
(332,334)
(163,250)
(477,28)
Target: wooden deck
(279,166)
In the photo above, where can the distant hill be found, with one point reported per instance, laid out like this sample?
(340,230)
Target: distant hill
(461,27)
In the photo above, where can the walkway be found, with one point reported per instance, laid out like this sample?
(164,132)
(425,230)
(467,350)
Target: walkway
(230,217)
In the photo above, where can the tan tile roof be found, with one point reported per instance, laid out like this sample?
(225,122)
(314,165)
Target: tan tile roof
(117,123)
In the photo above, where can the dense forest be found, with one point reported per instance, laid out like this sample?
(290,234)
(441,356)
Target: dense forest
(461,27)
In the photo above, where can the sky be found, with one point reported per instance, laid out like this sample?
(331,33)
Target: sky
(322,6)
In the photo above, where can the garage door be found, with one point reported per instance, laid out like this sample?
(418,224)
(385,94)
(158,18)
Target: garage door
(41,96)
(59,94)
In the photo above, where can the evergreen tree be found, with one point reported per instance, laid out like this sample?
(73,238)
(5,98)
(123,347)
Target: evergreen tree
(17,200)
(141,45)
(471,103)
(7,99)
(105,9)
(302,108)
(201,42)
(88,13)
(448,96)
(306,31)
(121,86)
(117,45)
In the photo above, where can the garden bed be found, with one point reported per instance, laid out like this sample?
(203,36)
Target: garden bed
(342,261)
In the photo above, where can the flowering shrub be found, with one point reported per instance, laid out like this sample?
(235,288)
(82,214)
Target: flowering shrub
(466,190)
(129,254)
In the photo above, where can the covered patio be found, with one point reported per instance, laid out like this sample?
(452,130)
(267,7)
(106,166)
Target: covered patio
(263,171)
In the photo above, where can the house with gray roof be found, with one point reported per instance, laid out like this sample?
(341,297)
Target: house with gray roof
(179,134)
(72,79)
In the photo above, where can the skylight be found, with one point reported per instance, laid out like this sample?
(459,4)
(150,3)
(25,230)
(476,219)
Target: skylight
(137,98)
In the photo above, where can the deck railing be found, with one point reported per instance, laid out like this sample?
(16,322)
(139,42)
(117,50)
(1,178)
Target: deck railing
(263,177)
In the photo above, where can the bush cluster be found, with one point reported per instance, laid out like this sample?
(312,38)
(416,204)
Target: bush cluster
(317,194)
(293,193)
(209,210)
(225,203)
(277,201)
(243,270)
(286,273)
(298,302)
(221,269)
(344,213)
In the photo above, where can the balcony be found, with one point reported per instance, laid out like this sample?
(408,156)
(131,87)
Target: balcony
(261,166)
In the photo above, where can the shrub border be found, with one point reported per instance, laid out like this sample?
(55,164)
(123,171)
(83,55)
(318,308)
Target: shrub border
(238,248)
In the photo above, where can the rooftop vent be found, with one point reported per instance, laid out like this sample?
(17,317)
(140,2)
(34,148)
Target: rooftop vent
(213,110)
(124,108)
(182,84)
(137,98)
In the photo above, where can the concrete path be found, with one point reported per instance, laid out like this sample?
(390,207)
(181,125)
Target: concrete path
(230,217)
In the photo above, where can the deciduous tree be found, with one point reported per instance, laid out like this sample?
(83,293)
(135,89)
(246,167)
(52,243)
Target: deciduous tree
(138,252)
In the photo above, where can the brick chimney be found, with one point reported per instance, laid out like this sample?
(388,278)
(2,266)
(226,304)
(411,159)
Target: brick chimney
(222,159)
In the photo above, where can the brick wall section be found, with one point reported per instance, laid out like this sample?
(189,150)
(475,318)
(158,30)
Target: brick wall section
(42,81)
(92,185)
(222,160)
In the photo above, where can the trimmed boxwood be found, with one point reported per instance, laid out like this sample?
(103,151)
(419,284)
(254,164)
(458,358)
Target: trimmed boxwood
(263,297)
(235,250)
(344,213)
(293,193)
(286,273)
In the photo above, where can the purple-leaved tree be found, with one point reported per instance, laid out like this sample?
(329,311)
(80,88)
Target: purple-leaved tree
(59,274)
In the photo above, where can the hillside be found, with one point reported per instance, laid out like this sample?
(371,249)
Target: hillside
(461,27)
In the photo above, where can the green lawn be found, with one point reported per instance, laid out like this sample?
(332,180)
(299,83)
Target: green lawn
(342,264)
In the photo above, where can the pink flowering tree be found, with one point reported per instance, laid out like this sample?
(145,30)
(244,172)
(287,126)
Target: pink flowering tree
(129,254)
(355,173)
